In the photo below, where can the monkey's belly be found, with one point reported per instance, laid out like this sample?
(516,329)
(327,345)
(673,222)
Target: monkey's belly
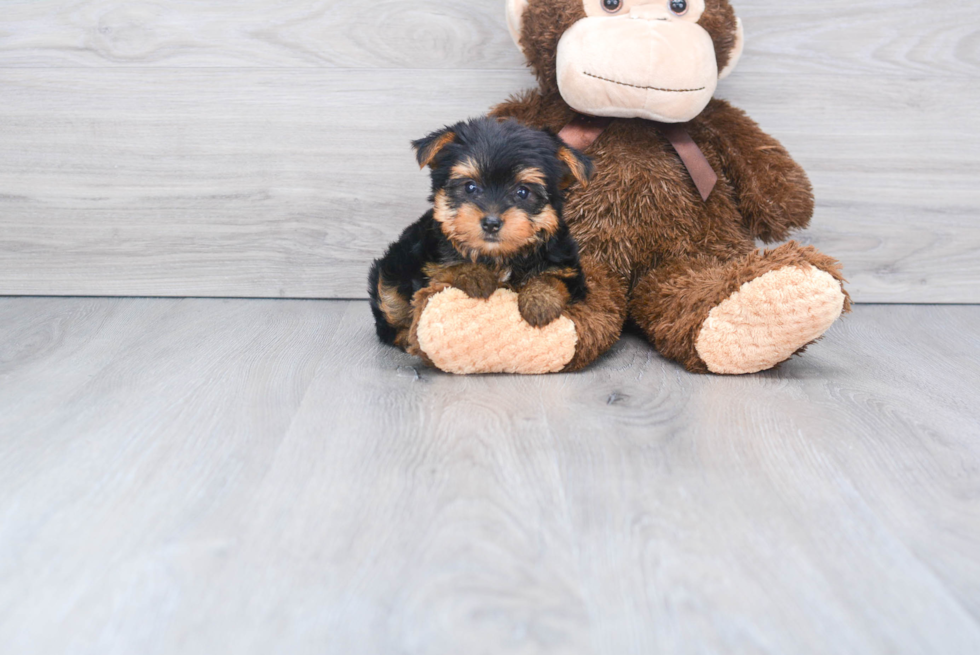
(642,207)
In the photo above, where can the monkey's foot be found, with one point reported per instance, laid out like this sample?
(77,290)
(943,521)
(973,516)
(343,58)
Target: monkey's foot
(769,319)
(465,335)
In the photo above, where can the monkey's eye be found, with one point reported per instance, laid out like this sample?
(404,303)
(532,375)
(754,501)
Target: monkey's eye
(679,7)
(523,193)
(471,187)
(612,6)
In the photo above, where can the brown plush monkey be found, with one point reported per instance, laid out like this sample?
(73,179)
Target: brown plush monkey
(683,267)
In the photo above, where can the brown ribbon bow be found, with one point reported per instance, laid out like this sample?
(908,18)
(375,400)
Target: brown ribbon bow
(583,130)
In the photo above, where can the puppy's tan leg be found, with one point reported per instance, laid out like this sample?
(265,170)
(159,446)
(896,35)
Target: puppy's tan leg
(542,300)
(396,310)
(474,280)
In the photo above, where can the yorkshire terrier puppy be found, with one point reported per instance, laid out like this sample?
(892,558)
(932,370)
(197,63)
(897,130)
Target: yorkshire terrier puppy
(496,221)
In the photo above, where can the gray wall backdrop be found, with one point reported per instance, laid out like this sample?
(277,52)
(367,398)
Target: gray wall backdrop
(250,148)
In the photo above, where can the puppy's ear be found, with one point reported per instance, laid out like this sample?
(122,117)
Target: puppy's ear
(426,149)
(579,166)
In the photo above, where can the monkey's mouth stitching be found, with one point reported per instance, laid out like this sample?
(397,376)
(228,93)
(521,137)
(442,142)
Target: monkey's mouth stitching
(648,88)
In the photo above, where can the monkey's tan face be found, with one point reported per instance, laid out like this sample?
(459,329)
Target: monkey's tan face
(639,60)
(648,59)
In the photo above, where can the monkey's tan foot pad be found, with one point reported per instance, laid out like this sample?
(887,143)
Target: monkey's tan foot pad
(466,335)
(768,319)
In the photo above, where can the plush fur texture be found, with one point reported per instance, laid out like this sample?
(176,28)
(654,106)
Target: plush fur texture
(767,319)
(467,335)
(496,222)
(655,252)
(672,302)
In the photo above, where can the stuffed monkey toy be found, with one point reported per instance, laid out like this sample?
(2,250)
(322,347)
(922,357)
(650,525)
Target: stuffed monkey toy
(684,184)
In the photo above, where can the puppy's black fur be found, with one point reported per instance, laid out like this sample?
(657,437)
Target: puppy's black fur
(497,189)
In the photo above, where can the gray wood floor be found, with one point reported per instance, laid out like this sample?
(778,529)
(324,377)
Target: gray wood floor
(256,476)
(258,148)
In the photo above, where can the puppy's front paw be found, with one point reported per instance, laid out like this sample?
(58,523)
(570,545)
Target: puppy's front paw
(477,286)
(541,302)
(472,279)
(475,281)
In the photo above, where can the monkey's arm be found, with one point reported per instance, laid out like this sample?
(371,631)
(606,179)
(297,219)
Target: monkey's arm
(773,193)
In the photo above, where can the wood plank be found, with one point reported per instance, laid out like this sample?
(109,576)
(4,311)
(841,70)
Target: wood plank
(877,37)
(831,36)
(287,183)
(254,33)
(255,476)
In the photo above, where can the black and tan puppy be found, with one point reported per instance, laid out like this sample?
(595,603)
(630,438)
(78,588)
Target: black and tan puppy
(496,221)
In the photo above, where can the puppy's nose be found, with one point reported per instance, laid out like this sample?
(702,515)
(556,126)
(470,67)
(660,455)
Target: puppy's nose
(491,224)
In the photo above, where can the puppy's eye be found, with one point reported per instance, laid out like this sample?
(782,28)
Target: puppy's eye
(612,6)
(679,7)
(523,193)
(471,188)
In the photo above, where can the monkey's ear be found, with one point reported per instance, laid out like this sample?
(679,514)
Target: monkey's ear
(580,167)
(515,19)
(736,52)
(428,147)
